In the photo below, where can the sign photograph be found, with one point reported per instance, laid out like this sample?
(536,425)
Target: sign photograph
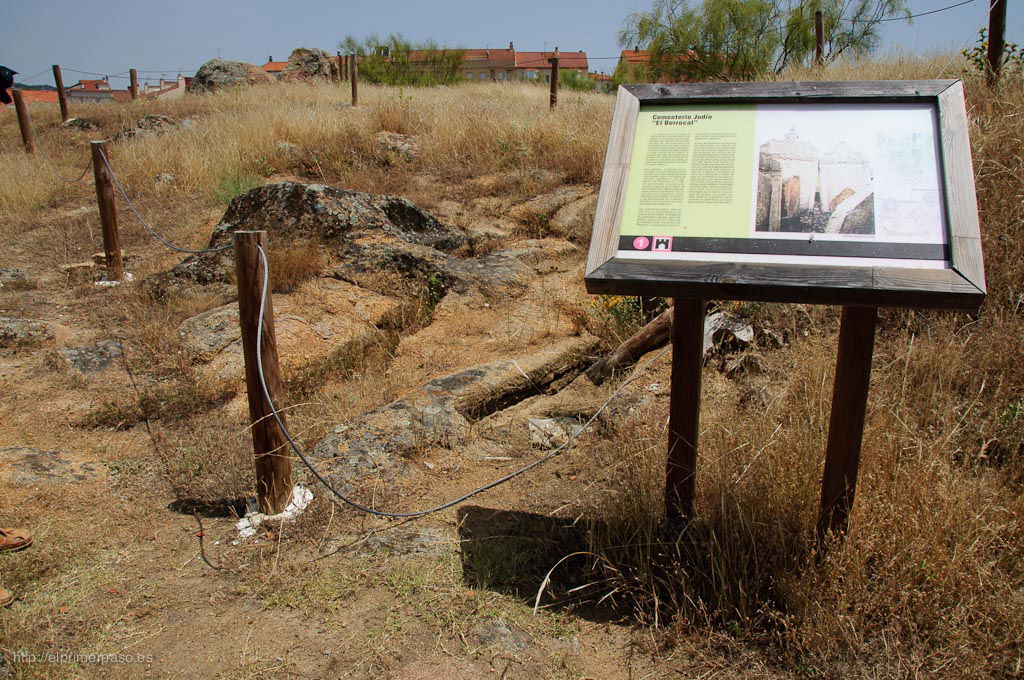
(803,192)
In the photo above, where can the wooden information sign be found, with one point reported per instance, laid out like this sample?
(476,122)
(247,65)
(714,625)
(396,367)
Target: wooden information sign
(859,194)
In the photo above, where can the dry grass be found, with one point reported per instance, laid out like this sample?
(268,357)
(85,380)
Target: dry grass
(930,582)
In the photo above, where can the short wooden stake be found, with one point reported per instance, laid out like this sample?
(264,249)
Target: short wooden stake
(341,68)
(62,96)
(353,74)
(133,86)
(996,39)
(27,138)
(554,81)
(846,423)
(684,408)
(108,212)
(273,465)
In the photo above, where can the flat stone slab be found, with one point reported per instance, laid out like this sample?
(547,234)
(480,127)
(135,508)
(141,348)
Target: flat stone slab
(24,332)
(93,358)
(439,412)
(23,465)
(323,320)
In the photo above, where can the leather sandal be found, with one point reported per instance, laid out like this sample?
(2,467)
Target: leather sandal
(14,538)
(6,597)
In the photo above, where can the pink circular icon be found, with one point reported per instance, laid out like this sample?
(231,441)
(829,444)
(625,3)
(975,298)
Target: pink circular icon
(641,243)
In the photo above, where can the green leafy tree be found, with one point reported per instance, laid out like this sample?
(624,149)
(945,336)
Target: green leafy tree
(392,60)
(743,39)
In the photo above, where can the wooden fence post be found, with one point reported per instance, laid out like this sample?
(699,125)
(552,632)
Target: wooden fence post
(62,96)
(273,466)
(846,422)
(684,407)
(341,69)
(819,39)
(996,39)
(24,124)
(133,86)
(108,212)
(353,74)
(554,81)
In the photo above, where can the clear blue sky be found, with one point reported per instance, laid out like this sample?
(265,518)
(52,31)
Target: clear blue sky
(109,36)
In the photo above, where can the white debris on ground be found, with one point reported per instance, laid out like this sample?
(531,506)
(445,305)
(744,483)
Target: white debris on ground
(301,496)
(128,278)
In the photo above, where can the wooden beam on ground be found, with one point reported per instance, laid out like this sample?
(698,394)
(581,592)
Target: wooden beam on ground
(652,336)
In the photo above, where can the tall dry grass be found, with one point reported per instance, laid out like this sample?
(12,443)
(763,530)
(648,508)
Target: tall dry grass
(930,580)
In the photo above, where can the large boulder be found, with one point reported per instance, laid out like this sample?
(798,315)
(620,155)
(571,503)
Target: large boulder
(309,64)
(218,74)
(337,218)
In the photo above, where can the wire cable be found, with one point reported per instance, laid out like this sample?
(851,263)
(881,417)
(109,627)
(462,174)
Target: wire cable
(152,232)
(437,508)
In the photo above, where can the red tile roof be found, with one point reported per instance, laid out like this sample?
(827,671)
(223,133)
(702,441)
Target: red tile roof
(488,55)
(274,66)
(91,85)
(39,96)
(599,76)
(574,60)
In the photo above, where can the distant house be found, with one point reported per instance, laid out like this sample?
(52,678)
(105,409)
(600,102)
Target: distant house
(95,92)
(274,68)
(633,66)
(537,65)
(168,89)
(505,64)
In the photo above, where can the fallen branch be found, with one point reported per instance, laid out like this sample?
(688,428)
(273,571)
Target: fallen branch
(652,336)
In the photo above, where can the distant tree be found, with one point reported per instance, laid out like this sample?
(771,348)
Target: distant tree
(392,60)
(742,39)
(574,80)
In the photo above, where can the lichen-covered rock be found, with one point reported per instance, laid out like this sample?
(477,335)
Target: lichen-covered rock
(13,278)
(24,332)
(218,74)
(310,63)
(320,213)
(395,147)
(79,124)
(92,358)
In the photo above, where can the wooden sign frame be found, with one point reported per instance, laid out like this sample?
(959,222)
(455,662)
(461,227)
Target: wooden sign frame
(859,288)
(962,286)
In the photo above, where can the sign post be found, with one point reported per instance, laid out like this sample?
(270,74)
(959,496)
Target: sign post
(859,194)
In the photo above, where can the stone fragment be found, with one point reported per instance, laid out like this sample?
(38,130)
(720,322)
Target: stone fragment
(13,278)
(79,124)
(550,433)
(494,632)
(23,465)
(425,541)
(24,332)
(92,358)
(396,147)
